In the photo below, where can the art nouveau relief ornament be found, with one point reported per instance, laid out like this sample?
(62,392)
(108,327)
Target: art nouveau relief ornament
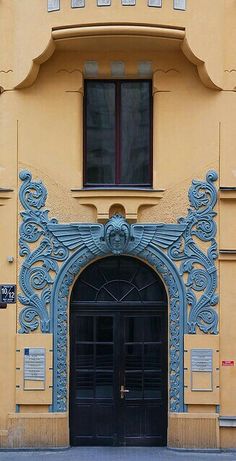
(199,265)
(118,237)
(40,265)
(54,254)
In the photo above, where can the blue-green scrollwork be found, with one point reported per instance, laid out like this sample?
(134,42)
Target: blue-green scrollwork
(41,252)
(199,265)
(54,254)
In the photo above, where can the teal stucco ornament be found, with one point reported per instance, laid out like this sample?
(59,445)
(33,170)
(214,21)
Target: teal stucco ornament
(54,254)
(117,236)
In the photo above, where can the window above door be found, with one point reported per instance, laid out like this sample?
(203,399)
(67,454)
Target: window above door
(118,133)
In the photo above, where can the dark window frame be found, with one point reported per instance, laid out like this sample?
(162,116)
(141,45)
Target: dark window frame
(118,156)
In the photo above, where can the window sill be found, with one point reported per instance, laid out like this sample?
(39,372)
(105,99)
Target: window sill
(105,199)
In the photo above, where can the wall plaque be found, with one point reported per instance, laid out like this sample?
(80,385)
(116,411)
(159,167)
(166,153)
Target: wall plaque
(77,3)
(53,5)
(202,360)
(155,3)
(34,365)
(180,4)
(8,294)
(202,370)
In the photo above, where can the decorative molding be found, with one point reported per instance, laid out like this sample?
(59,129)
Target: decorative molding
(61,34)
(46,285)
(148,253)
(40,265)
(197,264)
(130,199)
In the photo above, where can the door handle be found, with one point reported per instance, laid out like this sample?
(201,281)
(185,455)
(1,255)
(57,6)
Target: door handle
(123,391)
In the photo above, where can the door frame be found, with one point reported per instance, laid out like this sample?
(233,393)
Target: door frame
(168,272)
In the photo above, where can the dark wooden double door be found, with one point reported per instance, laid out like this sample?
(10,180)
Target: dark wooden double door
(118,389)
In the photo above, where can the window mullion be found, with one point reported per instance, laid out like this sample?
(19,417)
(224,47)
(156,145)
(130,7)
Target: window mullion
(118,133)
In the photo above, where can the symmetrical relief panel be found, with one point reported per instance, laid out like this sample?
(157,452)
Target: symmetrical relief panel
(54,254)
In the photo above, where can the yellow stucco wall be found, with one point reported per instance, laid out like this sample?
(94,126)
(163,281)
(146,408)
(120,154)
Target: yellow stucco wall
(41,105)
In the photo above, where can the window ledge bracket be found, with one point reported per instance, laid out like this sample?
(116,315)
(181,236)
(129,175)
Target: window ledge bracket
(108,201)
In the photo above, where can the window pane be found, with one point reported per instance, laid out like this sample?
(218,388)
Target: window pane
(85,356)
(135,132)
(104,356)
(84,385)
(152,356)
(134,329)
(100,132)
(104,385)
(133,357)
(152,385)
(134,383)
(85,328)
(104,328)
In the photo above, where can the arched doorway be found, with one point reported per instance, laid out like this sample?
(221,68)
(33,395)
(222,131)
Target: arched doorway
(118,355)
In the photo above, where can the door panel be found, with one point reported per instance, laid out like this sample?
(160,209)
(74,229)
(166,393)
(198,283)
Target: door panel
(92,400)
(113,350)
(144,368)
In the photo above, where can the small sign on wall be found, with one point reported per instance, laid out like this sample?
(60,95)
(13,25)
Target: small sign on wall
(34,368)
(8,294)
(202,370)
(227,363)
(201,360)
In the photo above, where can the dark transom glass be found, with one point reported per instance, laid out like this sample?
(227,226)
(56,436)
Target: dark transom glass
(118,134)
(119,280)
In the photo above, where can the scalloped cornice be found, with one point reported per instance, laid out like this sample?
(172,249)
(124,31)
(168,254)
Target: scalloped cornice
(60,34)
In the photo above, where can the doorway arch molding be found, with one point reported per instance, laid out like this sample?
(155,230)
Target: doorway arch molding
(176,294)
(54,254)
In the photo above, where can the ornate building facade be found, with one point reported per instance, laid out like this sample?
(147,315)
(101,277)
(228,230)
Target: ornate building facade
(117,193)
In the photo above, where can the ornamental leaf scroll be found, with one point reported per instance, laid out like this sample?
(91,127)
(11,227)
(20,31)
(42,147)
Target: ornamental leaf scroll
(197,264)
(57,241)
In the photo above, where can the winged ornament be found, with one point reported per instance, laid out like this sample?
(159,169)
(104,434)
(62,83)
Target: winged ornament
(117,236)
